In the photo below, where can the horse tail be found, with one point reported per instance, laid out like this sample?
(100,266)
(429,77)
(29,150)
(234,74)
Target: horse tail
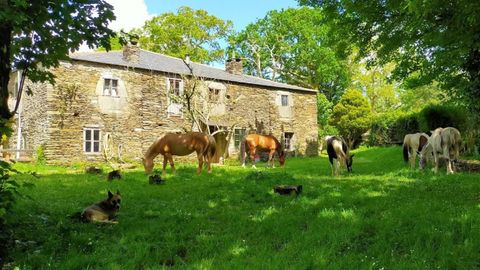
(405,152)
(212,147)
(243,149)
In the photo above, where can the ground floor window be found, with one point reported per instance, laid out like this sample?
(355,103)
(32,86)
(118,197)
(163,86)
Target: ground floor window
(91,140)
(238,135)
(287,140)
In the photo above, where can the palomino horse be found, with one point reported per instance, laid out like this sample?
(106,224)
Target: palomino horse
(445,143)
(337,149)
(412,145)
(173,144)
(263,143)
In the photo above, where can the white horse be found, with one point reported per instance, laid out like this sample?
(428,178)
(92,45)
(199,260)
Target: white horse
(444,143)
(337,149)
(413,144)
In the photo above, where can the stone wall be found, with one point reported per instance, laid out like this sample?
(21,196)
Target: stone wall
(61,112)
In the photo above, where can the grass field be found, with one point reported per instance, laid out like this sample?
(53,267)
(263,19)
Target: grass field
(382,216)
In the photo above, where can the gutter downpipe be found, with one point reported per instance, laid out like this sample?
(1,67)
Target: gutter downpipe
(19,119)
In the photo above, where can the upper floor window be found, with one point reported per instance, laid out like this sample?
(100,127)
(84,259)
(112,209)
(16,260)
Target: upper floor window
(110,87)
(91,140)
(284,100)
(174,92)
(214,94)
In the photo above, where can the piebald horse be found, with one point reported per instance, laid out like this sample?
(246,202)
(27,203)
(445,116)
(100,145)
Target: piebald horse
(262,143)
(173,144)
(412,145)
(445,143)
(337,149)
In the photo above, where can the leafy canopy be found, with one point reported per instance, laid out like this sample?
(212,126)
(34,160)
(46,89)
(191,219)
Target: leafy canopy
(35,35)
(189,31)
(294,46)
(428,40)
(45,31)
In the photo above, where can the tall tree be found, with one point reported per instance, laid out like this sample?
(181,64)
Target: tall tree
(428,40)
(294,46)
(189,31)
(34,35)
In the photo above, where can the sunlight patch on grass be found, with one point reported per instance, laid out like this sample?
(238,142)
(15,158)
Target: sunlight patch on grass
(212,204)
(264,214)
(310,201)
(344,214)
(238,249)
(205,264)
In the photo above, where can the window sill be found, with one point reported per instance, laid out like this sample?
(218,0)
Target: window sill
(92,153)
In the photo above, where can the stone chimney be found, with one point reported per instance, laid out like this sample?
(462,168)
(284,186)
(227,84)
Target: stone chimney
(131,52)
(234,66)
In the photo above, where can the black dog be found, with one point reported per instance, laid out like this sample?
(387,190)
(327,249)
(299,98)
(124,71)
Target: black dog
(155,179)
(287,190)
(114,175)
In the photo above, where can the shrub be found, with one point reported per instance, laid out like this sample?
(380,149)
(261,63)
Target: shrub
(434,116)
(382,131)
(405,124)
(40,153)
(352,116)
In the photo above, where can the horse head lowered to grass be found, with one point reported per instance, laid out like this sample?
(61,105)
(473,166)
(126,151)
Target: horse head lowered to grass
(443,143)
(412,145)
(337,149)
(173,144)
(262,143)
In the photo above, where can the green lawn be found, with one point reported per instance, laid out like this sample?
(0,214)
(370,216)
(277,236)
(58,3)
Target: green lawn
(383,216)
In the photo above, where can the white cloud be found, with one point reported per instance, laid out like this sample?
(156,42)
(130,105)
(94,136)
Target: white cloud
(129,13)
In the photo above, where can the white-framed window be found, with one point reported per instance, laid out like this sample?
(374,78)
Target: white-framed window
(91,140)
(284,100)
(238,134)
(110,87)
(174,93)
(287,140)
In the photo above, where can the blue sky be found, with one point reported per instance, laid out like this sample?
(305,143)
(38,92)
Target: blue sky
(240,12)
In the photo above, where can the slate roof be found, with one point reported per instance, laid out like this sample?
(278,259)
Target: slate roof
(159,62)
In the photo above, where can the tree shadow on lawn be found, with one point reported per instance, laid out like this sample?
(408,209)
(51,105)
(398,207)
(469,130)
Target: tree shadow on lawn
(232,218)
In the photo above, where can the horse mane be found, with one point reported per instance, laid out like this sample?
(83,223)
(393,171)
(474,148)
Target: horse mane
(277,144)
(150,151)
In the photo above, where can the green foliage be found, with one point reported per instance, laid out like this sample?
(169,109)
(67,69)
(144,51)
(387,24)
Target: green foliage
(231,219)
(374,82)
(324,110)
(189,31)
(384,129)
(40,155)
(8,192)
(352,116)
(46,31)
(294,46)
(414,100)
(428,40)
(434,116)
(405,124)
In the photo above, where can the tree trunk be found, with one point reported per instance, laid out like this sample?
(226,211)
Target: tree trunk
(5,69)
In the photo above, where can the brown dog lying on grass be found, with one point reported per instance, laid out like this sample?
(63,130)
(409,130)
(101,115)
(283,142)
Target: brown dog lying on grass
(103,211)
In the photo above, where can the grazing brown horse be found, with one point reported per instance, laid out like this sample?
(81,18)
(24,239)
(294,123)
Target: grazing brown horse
(173,144)
(262,143)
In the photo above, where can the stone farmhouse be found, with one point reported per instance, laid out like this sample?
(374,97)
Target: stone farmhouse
(116,104)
